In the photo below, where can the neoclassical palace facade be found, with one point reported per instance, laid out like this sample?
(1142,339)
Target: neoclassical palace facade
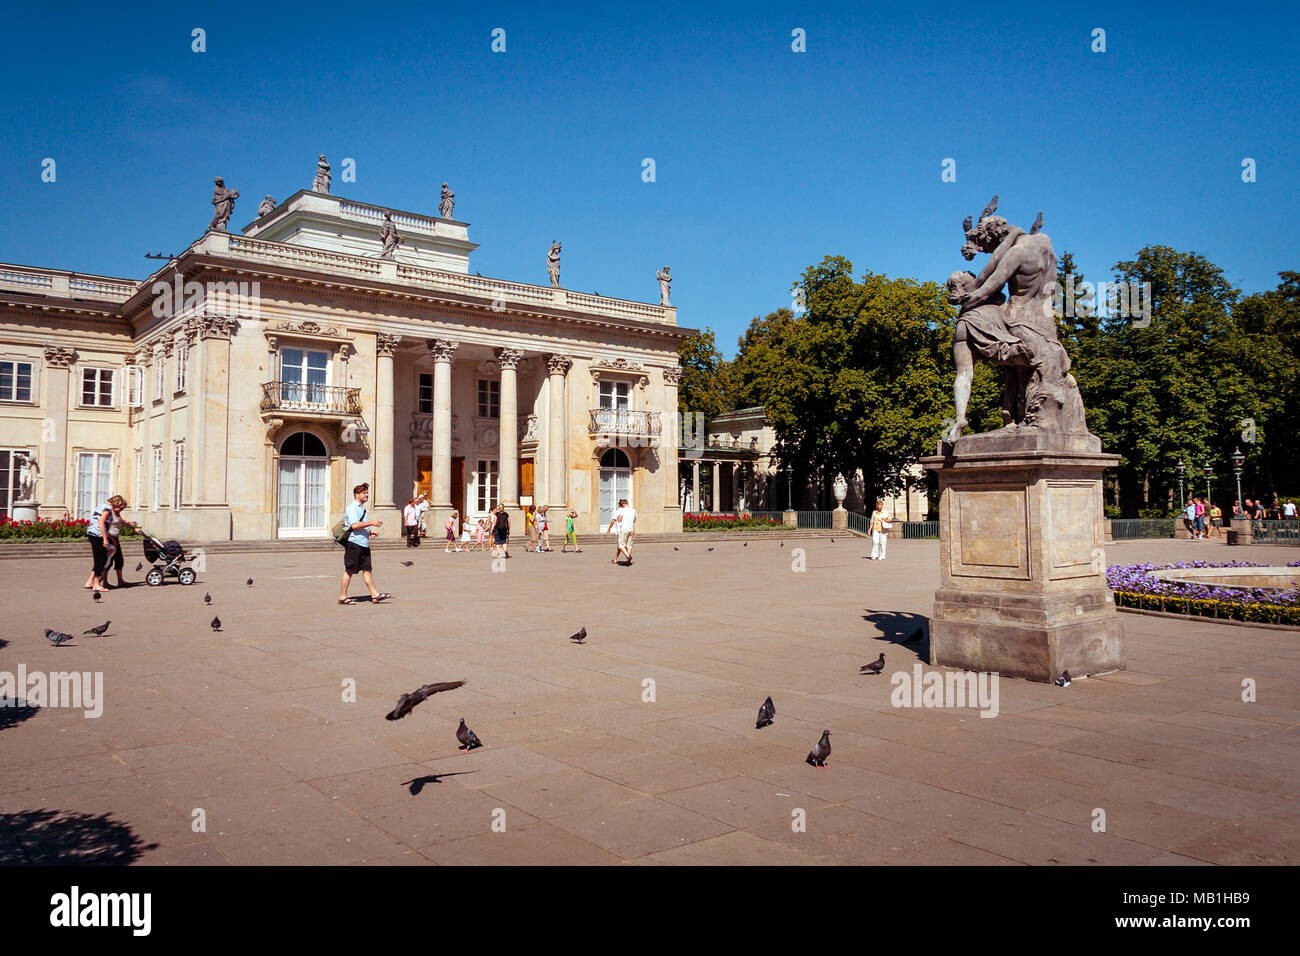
(243,389)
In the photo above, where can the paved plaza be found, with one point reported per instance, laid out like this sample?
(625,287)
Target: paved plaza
(250,725)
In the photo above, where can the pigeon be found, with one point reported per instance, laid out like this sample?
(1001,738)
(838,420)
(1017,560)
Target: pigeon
(916,636)
(95,597)
(745,545)
(580,637)
(875,667)
(408,564)
(216,624)
(817,756)
(766,714)
(207,598)
(140,566)
(675,548)
(249,582)
(98,631)
(1064,679)
(406,703)
(783,544)
(832,540)
(1038,224)
(57,637)
(710,549)
(468,739)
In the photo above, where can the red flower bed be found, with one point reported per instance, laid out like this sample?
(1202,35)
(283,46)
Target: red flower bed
(53,529)
(707,521)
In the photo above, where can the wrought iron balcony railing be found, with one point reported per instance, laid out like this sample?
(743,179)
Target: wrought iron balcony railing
(623,421)
(310,399)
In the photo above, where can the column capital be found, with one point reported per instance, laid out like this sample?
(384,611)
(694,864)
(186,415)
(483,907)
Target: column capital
(218,326)
(59,357)
(387,344)
(509,358)
(443,349)
(673,376)
(558,364)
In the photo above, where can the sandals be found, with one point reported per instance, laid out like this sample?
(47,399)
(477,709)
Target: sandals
(382,596)
(347,600)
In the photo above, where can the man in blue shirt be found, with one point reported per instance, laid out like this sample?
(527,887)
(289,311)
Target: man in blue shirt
(356,550)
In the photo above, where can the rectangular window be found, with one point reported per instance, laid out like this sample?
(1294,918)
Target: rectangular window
(488,482)
(489,398)
(138,487)
(15,381)
(135,385)
(9,474)
(160,376)
(304,376)
(156,497)
(178,473)
(182,360)
(424,394)
(94,481)
(616,395)
(97,387)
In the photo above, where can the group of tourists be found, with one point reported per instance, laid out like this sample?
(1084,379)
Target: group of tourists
(1202,518)
(1277,511)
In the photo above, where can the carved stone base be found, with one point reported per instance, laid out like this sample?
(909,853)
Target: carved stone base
(25,511)
(1022,557)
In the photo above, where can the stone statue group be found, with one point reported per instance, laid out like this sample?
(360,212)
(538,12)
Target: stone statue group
(1015,330)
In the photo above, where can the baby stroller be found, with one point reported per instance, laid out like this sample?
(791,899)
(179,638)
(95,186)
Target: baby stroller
(167,558)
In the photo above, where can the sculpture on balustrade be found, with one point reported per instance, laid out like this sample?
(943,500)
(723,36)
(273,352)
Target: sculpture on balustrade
(448,202)
(553,264)
(322,182)
(224,201)
(665,280)
(265,206)
(388,236)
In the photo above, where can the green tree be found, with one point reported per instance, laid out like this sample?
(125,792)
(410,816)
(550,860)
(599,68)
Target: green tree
(706,374)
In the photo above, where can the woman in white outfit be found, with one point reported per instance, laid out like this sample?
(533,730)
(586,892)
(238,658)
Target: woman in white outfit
(880,525)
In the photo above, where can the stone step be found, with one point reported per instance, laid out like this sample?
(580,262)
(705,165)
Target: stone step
(29,550)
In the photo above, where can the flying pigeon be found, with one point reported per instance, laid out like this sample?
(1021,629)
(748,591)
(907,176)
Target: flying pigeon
(916,636)
(406,703)
(95,597)
(98,631)
(580,637)
(766,714)
(249,582)
(817,756)
(140,566)
(408,564)
(468,739)
(1064,679)
(216,624)
(207,598)
(57,637)
(875,667)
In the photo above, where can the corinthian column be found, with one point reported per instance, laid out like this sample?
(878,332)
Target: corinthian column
(442,350)
(557,483)
(53,457)
(385,346)
(509,438)
(669,434)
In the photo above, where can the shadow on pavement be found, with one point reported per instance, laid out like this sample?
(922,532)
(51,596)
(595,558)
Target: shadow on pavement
(63,838)
(417,784)
(897,626)
(14,712)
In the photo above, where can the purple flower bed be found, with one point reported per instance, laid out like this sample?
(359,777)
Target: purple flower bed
(1137,579)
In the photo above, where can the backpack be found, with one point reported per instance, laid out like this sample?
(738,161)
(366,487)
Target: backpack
(341,531)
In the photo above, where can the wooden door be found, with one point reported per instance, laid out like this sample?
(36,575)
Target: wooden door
(458,487)
(424,476)
(526,478)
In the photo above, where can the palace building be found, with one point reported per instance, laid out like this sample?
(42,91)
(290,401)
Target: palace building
(242,390)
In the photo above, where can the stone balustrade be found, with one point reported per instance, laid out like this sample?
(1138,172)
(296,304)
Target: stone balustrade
(62,283)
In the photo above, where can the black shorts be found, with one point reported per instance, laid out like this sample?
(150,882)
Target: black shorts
(355,558)
(99,554)
(499,536)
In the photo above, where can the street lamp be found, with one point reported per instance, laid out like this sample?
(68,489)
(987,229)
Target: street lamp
(1238,459)
(1182,470)
(1209,473)
(789,485)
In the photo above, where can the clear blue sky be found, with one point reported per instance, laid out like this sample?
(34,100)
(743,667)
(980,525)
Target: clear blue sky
(766,159)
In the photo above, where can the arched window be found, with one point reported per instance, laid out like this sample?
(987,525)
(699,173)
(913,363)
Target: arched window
(303,444)
(614,458)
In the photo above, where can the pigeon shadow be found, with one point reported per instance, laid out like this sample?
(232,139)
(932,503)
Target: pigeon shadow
(63,838)
(897,626)
(13,712)
(3,643)
(417,784)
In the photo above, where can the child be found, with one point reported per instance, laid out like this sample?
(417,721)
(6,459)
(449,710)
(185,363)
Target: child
(466,529)
(570,535)
(480,535)
(450,527)
(543,530)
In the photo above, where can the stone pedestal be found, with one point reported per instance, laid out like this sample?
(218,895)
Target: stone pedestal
(1241,532)
(840,520)
(790,519)
(25,511)
(1021,558)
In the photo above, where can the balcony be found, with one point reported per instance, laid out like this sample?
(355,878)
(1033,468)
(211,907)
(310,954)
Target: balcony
(296,400)
(623,426)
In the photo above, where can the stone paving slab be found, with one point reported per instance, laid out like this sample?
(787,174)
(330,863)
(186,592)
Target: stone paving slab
(275,726)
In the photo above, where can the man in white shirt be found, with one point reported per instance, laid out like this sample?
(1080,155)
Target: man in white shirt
(625,519)
(411,524)
(1288,509)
